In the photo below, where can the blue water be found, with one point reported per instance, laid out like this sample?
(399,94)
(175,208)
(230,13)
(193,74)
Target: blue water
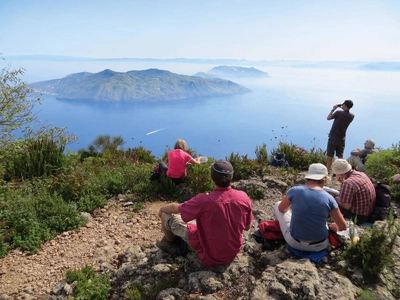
(290,106)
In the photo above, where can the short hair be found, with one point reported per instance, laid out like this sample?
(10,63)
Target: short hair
(180,144)
(325,180)
(222,173)
(221,180)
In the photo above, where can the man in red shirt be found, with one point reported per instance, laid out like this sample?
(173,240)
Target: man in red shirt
(357,192)
(220,218)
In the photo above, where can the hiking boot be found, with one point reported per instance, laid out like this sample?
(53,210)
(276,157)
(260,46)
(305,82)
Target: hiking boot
(172,248)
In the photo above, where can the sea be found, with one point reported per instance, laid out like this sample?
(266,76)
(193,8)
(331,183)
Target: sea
(290,106)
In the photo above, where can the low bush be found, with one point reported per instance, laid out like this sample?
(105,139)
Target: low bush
(372,253)
(90,285)
(384,164)
(300,158)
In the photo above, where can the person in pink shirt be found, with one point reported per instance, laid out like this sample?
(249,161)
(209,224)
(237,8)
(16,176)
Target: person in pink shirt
(177,161)
(220,219)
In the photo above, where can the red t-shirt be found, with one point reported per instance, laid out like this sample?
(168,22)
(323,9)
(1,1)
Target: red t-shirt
(221,217)
(177,160)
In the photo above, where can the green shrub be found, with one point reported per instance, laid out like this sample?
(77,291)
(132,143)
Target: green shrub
(262,154)
(383,164)
(199,178)
(140,154)
(243,166)
(31,216)
(34,158)
(90,285)
(373,251)
(256,193)
(300,158)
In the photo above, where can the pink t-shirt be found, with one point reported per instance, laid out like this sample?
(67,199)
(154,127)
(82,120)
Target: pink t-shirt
(177,160)
(221,217)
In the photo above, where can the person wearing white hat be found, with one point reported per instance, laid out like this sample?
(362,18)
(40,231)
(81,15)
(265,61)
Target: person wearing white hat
(303,212)
(359,156)
(357,192)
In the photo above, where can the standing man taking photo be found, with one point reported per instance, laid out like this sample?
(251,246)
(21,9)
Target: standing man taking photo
(337,135)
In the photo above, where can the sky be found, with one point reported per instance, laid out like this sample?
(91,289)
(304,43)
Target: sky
(255,30)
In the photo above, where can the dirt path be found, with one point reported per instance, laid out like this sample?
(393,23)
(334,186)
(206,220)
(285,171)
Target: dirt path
(102,238)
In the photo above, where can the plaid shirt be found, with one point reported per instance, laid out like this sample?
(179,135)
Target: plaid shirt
(358,190)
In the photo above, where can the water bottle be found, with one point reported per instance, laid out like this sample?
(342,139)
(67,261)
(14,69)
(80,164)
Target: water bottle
(203,159)
(351,229)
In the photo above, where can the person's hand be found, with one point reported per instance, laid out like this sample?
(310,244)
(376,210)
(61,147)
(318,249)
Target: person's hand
(334,226)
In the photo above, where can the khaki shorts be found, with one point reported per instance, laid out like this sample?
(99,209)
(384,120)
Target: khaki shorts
(175,224)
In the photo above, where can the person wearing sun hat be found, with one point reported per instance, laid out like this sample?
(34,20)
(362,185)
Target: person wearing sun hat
(359,156)
(337,134)
(357,192)
(221,216)
(303,212)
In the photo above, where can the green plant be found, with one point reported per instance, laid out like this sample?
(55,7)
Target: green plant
(103,143)
(366,294)
(15,104)
(299,158)
(31,216)
(199,178)
(372,253)
(90,285)
(243,166)
(384,164)
(135,291)
(256,193)
(138,206)
(262,154)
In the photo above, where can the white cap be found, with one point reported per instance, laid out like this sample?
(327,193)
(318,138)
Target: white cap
(316,172)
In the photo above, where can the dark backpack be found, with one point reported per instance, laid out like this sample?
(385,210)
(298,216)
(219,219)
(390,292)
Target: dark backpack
(269,234)
(383,195)
(382,203)
(155,174)
(279,161)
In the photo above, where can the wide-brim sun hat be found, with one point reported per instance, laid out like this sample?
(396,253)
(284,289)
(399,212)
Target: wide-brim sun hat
(316,171)
(340,166)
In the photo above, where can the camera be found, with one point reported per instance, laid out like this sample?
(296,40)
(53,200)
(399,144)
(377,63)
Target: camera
(339,105)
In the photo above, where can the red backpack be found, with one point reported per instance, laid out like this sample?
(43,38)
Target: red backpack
(270,230)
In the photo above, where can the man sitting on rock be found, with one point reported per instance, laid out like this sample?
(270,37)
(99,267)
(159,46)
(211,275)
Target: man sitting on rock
(220,218)
(357,193)
(359,156)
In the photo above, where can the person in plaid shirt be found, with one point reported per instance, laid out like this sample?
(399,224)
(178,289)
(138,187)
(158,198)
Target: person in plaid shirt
(357,192)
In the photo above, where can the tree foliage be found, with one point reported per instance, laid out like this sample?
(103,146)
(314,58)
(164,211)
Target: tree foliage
(103,143)
(16,104)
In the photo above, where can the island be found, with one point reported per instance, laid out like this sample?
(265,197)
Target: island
(232,72)
(142,85)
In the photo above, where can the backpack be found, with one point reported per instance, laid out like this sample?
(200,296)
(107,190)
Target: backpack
(155,174)
(279,161)
(382,203)
(383,195)
(269,234)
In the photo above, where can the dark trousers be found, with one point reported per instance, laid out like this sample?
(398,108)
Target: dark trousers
(164,169)
(349,215)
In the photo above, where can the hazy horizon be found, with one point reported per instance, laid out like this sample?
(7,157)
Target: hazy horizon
(254,30)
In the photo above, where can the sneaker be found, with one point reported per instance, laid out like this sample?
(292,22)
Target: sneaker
(169,247)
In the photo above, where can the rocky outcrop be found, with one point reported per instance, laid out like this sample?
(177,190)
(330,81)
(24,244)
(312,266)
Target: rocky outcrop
(254,274)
